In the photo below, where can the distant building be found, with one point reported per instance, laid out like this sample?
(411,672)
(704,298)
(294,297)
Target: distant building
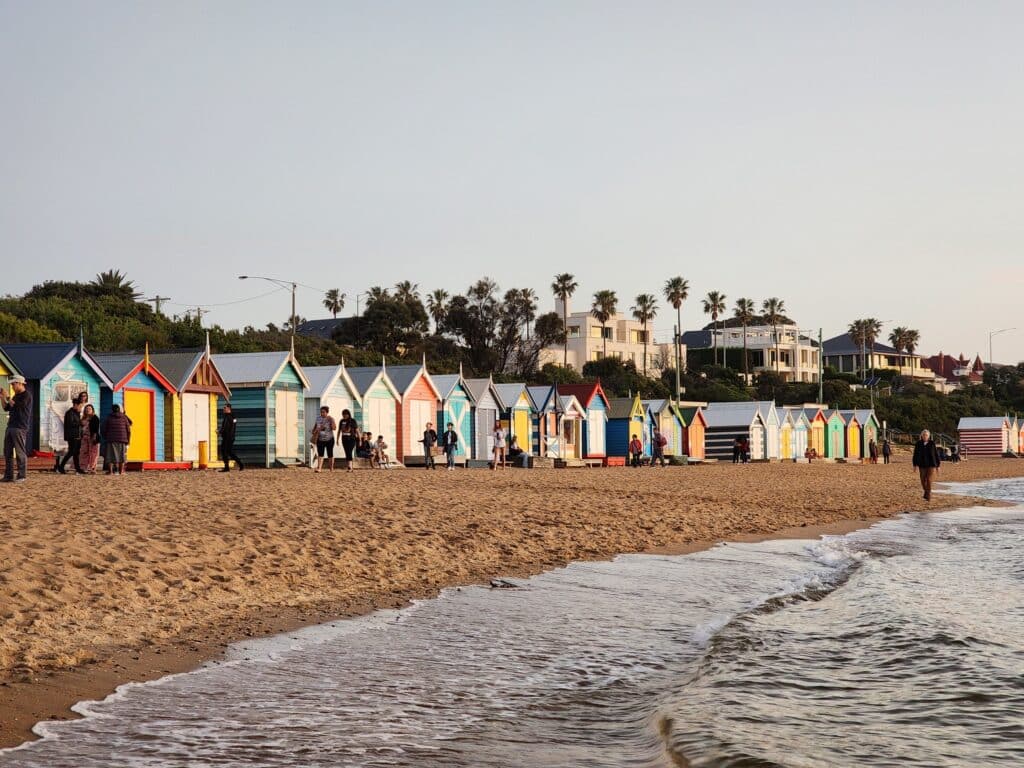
(320,329)
(798,353)
(956,370)
(624,336)
(844,354)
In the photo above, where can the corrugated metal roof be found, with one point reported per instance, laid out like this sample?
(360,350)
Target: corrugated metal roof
(982,422)
(620,407)
(731,414)
(479,387)
(177,366)
(250,367)
(446,383)
(321,378)
(37,360)
(364,377)
(656,406)
(541,396)
(117,365)
(509,393)
(402,376)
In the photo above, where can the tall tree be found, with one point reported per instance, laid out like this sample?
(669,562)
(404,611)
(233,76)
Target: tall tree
(714,305)
(911,338)
(407,291)
(898,339)
(114,283)
(334,302)
(375,294)
(858,335)
(773,309)
(744,312)
(677,290)
(563,287)
(437,303)
(603,308)
(644,310)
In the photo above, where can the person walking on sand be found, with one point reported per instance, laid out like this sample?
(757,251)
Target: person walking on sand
(873,451)
(429,441)
(323,436)
(348,435)
(450,444)
(636,451)
(73,437)
(744,450)
(886,451)
(117,433)
(499,446)
(89,453)
(926,462)
(658,443)
(737,449)
(16,434)
(228,428)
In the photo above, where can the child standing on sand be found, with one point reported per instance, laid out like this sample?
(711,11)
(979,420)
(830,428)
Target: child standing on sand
(499,446)
(380,452)
(636,450)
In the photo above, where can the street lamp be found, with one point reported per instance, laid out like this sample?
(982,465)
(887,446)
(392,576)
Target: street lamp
(284,284)
(995,333)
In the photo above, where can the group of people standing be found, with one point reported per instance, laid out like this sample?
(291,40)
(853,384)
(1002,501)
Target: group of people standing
(85,435)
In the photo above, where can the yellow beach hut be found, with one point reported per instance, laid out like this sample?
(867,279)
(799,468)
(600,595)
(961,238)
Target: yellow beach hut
(786,445)
(816,425)
(854,434)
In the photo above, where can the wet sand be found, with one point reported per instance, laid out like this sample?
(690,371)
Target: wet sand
(105,580)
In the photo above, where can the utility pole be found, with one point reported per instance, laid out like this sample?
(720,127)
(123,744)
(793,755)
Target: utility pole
(675,334)
(158,300)
(199,315)
(821,369)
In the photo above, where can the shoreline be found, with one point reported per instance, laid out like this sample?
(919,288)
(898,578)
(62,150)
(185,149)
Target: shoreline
(48,694)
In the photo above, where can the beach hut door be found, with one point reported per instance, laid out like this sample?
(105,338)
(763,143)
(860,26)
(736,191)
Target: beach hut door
(195,424)
(138,406)
(485,432)
(286,423)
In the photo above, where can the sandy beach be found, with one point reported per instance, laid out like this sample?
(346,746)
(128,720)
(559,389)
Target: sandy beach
(109,579)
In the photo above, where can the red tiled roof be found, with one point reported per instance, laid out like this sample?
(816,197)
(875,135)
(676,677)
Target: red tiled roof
(945,365)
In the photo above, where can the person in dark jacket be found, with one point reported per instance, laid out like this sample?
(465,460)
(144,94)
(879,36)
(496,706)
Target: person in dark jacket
(117,433)
(450,443)
(886,451)
(228,426)
(73,437)
(16,434)
(926,462)
(429,441)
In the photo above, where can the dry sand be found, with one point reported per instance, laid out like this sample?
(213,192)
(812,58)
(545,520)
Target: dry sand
(110,579)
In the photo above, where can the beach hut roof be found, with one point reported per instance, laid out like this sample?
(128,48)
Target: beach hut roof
(447,382)
(732,414)
(510,393)
(479,388)
(365,378)
(36,361)
(657,406)
(322,377)
(834,413)
(849,415)
(797,414)
(121,366)
(405,376)
(541,396)
(812,413)
(585,393)
(982,422)
(691,412)
(783,414)
(623,407)
(571,404)
(177,365)
(255,367)
(8,363)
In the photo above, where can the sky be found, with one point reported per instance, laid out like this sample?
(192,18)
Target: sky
(853,159)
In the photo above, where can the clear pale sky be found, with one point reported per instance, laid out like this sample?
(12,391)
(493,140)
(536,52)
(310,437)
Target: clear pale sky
(853,159)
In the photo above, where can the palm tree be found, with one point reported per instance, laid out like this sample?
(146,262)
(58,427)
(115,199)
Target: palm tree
(334,301)
(528,297)
(644,310)
(677,290)
(604,306)
(564,286)
(375,294)
(744,312)
(911,339)
(114,283)
(898,339)
(714,305)
(773,309)
(437,306)
(407,291)
(858,335)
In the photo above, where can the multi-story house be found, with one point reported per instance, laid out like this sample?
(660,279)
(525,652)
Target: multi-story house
(845,355)
(797,352)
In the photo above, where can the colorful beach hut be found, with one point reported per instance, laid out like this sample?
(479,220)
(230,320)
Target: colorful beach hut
(267,398)
(518,412)
(854,435)
(380,402)
(727,422)
(835,434)
(817,426)
(143,393)
(787,445)
(869,431)
(486,410)
(420,402)
(456,409)
(595,402)
(545,421)
(694,429)
(329,385)
(626,417)
(572,434)
(984,435)
(190,413)
(800,427)
(55,373)
(666,417)
(771,428)
(7,369)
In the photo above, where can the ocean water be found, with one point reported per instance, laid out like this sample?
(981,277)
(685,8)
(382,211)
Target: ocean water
(900,645)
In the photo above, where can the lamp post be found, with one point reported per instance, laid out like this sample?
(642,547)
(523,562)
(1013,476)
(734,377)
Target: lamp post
(284,284)
(990,335)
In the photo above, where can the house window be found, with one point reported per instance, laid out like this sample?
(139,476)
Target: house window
(595,355)
(596,332)
(574,331)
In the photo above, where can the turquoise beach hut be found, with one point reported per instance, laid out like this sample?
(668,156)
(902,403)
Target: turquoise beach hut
(456,409)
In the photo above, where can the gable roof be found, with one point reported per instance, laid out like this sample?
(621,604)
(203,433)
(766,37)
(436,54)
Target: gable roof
(122,366)
(864,415)
(585,393)
(509,393)
(982,422)
(571,403)
(8,363)
(322,377)
(691,412)
(623,407)
(732,414)
(541,396)
(850,415)
(255,367)
(179,366)
(447,382)
(404,377)
(812,413)
(37,360)
(783,415)
(797,414)
(364,378)
(843,344)
(479,389)
(831,413)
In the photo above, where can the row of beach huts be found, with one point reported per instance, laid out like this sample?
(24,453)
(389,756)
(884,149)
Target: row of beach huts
(174,400)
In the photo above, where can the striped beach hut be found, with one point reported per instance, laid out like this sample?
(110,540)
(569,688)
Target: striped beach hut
(55,373)
(984,435)
(486,412)
(727,422)
(854,435)
(665,416)
(817,426)
(545,421)
(190,413)
(787,445)
(835,434)
(267,398)
(7,369)
(595,402)
(329,385)
(142,392)
(772,428)
(572,416)
(518,412)
(420,402)
(626,417)
(801,426)
(869,431)
(456,409)
(380,401)
(694,429)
